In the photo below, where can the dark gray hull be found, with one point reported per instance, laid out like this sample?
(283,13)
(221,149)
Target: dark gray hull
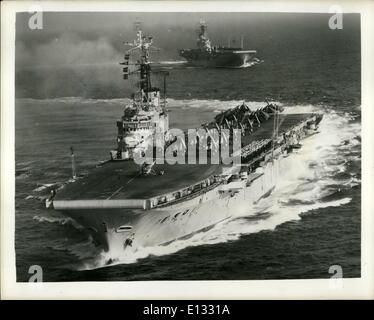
(221,59)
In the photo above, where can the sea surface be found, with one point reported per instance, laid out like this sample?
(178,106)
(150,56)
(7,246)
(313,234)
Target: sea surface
(310,222)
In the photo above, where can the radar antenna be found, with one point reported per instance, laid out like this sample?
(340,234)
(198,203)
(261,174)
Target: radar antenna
(143,44)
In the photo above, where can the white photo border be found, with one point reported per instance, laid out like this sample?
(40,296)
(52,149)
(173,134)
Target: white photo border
(356,288)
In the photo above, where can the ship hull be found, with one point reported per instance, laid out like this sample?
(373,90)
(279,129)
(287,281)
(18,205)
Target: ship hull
(127,211)
(164,225)
(217,60)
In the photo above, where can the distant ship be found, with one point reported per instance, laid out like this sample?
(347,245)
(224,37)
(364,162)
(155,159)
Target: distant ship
(126,206)
(206,55)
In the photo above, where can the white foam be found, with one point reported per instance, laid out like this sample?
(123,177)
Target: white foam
(58,220)
(172,62)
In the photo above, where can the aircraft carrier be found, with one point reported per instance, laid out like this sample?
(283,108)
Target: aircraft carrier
(128,206)
(206,55)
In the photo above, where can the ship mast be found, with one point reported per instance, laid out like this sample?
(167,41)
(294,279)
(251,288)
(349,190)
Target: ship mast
(203,27)
(142,43)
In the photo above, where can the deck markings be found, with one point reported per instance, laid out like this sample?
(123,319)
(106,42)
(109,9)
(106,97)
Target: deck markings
(120,188)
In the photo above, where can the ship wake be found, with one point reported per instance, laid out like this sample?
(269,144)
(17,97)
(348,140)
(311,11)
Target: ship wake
(318,176)
(250,63)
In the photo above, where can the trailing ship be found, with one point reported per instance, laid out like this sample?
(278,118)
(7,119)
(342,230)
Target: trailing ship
(206,55)
(127,205)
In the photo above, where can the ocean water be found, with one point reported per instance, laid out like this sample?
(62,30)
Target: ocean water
(310,222)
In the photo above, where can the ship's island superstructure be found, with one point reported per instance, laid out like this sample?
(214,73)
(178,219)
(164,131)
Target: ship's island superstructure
(145,115)
(206,55)
(127,206)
